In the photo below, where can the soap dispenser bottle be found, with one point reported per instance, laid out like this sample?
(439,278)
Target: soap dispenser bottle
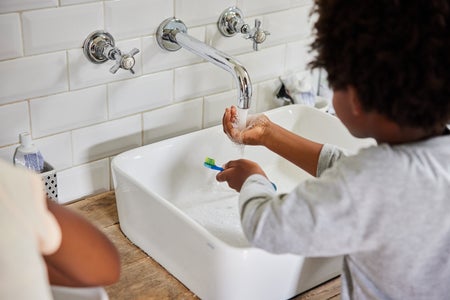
(28,155)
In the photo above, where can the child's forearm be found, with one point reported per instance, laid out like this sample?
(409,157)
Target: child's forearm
(300,151)
(86,256)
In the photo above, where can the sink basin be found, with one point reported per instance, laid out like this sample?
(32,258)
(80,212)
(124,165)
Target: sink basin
(172,207)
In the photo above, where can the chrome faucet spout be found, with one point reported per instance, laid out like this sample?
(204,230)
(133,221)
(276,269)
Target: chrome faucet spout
(172,35)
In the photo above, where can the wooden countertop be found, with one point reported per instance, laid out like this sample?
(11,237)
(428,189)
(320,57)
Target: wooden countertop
(142,277)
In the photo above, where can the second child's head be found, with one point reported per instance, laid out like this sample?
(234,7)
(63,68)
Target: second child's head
(395,53)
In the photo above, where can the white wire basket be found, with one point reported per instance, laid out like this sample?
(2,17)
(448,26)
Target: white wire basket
(50,182)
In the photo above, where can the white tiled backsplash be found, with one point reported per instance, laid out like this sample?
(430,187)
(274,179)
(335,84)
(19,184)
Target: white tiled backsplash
(80,115)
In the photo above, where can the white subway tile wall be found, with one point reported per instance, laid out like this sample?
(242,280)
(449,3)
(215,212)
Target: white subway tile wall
(200,79)
(15,118)
(264,64)
(106,139)
(80,115)
(57,149)
(132,18)
(20,5)
(83,180)
(172,120)
(59,28)
(67,111)
(200,12)
(10,36)
(141,94)
(253,7)
(33,76)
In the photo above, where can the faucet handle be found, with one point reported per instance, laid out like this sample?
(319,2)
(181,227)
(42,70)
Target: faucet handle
(231,22)
(100,47)
(125,61)
(257,34)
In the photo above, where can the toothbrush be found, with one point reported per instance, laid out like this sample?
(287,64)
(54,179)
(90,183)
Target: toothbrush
(211,164)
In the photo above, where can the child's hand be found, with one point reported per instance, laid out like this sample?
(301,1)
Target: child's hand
(237,171)
(254,132)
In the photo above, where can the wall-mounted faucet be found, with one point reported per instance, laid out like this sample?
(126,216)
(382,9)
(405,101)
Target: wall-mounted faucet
(99,47)
(231,22)
(171,35)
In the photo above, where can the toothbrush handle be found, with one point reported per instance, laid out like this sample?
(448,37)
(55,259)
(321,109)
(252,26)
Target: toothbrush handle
(217,168)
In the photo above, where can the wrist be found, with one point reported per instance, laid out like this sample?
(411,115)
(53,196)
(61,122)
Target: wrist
(267,134)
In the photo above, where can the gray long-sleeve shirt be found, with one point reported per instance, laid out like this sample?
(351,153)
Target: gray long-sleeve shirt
(386,209)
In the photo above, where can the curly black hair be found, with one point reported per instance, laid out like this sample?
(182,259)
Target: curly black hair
(396,53)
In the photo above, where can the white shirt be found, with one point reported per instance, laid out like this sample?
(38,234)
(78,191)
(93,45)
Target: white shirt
(27,231)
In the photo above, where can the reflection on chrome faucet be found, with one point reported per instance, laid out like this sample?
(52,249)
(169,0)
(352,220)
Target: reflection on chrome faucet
(171,36)
(231,22)
(100,47)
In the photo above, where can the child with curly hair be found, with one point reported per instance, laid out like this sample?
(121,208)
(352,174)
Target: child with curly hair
(386,208)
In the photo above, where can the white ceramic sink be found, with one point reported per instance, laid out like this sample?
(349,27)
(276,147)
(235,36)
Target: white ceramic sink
(171,207)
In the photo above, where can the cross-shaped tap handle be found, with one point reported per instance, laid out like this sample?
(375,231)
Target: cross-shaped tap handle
(231,22)
(125,61)
(257,34)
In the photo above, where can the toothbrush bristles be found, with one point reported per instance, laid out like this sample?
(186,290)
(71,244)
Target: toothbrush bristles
(210,161)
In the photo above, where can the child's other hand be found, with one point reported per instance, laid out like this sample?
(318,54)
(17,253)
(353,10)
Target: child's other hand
(237,171)
(252,134)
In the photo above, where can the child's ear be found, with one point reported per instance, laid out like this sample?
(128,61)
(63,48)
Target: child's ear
(355,103)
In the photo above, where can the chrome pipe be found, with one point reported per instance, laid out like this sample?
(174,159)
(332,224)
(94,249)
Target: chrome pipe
(172,35)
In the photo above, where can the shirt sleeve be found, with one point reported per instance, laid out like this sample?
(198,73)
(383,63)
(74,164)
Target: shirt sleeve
(24,198)
(328,156)
(28,230)
(317,218)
